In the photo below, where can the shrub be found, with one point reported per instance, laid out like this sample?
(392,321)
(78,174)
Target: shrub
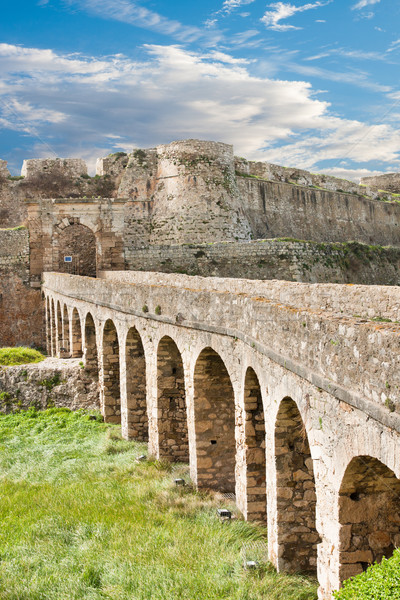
(379,582)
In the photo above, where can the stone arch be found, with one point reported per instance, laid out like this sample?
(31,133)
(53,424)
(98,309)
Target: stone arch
(295,492)
(76,335)
(255,448)
(53,328)
(214,410)
(173,442)
(111,374)
(66,332)
(90,351)
(137,422)
(78,242)
(369,515)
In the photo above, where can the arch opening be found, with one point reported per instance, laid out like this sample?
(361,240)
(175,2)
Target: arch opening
(65,344)
(76,335)
(90,352)
(295,490)
(48,326)
(214,408)
(59,330)
(171,398)
(53,328)
(255,448)
(369,515)
(111,387)
(77,250)
(137,421)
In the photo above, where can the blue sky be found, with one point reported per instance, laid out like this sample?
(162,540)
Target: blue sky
(308,84)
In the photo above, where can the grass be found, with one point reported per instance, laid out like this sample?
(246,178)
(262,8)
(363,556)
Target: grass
(19,356)
(81,518)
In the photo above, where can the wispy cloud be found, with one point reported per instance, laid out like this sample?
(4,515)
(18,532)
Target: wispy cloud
(284,10)
(394,46)
(132,12)
(364,3)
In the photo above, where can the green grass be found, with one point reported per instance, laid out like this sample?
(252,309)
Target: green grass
(81,518)
(19,356)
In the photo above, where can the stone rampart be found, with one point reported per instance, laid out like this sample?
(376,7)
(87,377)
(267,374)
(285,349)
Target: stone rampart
(388,181)
(289,260)
(197,198)
(67,167)
(285,210)
(4,172)
(21,314)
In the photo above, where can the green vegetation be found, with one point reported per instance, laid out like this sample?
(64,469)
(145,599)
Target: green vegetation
(378,582)
(15,177)
(18,228)
(81,518)
(19,356)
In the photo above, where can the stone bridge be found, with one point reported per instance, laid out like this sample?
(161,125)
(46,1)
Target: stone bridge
(285,394)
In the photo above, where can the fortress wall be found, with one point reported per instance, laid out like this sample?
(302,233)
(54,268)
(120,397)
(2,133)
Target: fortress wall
(274,259)
(387,181)
(284,210)
(21,315)
(358,301)
(197,198)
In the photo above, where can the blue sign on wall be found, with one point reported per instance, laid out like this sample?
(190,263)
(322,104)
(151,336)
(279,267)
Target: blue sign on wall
(67,258)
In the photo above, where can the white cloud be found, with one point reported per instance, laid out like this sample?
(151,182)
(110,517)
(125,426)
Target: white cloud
(88,106)
(229,5)
(284,10)
(363,3)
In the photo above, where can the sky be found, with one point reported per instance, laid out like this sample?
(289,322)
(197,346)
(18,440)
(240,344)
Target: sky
(313,85)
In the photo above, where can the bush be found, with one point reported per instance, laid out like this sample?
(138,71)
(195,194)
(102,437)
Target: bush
(19,356)
(379,582)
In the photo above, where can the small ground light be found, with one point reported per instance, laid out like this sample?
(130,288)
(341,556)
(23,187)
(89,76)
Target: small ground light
(180,482)
(251,564)
(224,514)
(142,458)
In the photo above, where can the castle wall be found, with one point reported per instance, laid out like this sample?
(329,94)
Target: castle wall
(389,182)
(21,311)
(284,210)
(273,259)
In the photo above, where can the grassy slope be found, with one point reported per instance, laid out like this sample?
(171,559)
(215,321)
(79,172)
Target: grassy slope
(80,518)
(19,356)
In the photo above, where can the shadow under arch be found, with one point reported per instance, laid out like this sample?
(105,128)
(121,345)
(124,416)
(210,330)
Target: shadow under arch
(137,420)
(173,441)
(214,411)
(76,334)
(66,332)
(90,351)
(255,448)
(297,535)
(111,395)
(369,515)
